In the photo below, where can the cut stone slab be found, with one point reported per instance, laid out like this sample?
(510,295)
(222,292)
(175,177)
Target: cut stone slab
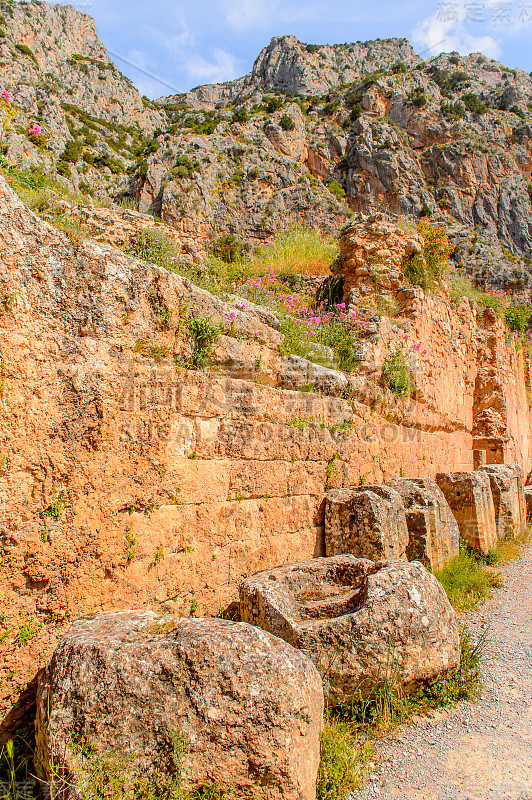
(248,705)
(508,491)
(359,621)
(528,501)
(298,372)
(433,532)
(470,499)
(366,521)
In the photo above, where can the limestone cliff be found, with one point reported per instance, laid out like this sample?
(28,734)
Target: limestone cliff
(59,76)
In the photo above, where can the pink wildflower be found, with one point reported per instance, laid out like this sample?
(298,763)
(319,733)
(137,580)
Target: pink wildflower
(232,316)
(424,353)
(6,97)
(35,130)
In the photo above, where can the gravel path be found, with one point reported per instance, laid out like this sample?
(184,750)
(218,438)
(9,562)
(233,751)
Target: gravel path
(476,751)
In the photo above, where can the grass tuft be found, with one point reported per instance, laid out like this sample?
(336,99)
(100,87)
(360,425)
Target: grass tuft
(466,580)
(344,758)
(511,546)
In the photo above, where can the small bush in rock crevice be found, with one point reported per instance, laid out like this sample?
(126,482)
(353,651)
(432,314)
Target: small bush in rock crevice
(397,373)
(204,333)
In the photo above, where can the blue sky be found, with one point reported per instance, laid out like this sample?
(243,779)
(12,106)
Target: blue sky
(185,43)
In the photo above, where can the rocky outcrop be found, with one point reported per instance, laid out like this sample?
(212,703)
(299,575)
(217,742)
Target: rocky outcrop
(435,138)
(432,529)
(361,623)
(469,497)
(59,75)
(372,255)
(366,521)
(213,700)
(310,134)
(289,65)
(507,489)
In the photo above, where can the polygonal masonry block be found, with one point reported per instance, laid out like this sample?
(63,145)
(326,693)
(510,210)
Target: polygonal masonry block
(360,622)
(469,497)
(366,521)
(508,491)
(246,705)
(433,532)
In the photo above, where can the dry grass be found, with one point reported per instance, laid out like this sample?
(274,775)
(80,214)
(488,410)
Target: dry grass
(511,546)
(299,251)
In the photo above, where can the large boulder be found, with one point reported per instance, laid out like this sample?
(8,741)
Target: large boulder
(433,532)
(245,704)
(470,499)
(360,622)
(366,521)
(508,491)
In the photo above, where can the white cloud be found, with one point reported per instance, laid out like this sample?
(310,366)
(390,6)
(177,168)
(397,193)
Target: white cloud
(443,32)
(223,66)
(245,15)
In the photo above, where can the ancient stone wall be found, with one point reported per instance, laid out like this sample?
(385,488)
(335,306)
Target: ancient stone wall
(126,482)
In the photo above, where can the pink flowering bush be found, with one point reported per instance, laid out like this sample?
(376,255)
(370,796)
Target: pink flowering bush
(310,332)
(35,132)
(7,114)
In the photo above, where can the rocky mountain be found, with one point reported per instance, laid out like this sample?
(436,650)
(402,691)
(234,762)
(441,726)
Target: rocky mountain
(449,137)
(312,134)
(59,76)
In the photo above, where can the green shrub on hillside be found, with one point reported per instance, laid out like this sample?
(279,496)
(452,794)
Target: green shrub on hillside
(229,249)
(336,189)
(474,104)
(71,152)
(287,123)
(240,115)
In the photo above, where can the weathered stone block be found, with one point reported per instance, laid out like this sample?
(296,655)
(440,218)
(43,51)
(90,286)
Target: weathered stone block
(433,531)
(508,491)
(528,501)
(359,621)
(298,372)
(367,521)
(470,499)
(248,705)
